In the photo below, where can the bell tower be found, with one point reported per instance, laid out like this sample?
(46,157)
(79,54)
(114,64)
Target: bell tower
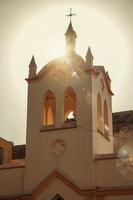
(69,104)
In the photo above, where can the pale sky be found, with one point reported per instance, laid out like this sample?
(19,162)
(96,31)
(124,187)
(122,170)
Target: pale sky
(37,27)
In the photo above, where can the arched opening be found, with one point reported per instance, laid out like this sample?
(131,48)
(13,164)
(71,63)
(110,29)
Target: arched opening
(70,105)
(49,108)
(99,114)
(106,121)
(57,197)
(1,155)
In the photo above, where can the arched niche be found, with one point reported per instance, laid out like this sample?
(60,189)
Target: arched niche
(49,108)
(106,119)
(99,114)
(70,102)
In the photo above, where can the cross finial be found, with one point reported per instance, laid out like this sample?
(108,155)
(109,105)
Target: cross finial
(71,14)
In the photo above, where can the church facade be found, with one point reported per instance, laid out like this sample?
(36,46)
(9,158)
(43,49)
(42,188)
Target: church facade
(69,145)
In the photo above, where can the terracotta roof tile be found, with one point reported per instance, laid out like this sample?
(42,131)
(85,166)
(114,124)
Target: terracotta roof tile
(122,120)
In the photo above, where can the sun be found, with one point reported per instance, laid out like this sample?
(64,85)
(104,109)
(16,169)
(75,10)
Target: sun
(43,37)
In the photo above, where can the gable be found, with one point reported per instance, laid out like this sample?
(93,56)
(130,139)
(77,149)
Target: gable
(95,73)
(57,183)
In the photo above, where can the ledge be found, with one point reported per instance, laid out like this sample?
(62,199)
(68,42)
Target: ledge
(109,156)
(20,163)
(67,125)
(105,136)
(106,156)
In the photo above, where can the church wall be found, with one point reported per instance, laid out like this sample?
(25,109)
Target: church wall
(75,162)
(39,160)
(11,181)
(101,145)
(100,140)
(112,172)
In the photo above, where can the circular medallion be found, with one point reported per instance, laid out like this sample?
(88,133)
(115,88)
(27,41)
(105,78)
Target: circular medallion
(58,147)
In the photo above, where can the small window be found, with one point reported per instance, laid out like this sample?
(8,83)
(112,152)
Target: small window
(1,155)
(70,105)
(99,114)
(106,121)
(49,108)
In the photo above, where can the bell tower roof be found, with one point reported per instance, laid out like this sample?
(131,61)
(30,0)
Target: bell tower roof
(32,62)
(32,68)
(70,30)
(89,57)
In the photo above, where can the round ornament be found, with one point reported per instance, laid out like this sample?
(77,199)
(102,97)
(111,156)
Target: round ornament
(58,147)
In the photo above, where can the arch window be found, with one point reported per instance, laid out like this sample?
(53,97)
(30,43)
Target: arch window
(106,121)
(49,108)
(57,197)
(1,155)
(99,114)
(70,105)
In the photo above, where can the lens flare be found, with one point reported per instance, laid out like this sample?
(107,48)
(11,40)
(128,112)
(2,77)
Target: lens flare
(125,160)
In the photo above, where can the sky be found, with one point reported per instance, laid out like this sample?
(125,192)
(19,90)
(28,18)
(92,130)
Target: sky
(37,27)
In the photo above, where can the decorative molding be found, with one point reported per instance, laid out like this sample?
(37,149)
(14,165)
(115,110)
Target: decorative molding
(53,128)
